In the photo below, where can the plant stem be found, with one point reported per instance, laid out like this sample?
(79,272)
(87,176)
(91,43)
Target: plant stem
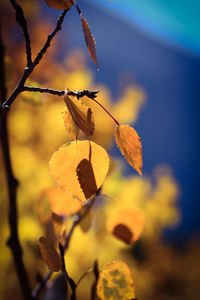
(42,90)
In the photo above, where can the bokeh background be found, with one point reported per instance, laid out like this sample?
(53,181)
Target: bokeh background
(149,77)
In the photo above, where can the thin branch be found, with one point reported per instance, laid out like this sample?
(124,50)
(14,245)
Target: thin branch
(12,184)
(42,90)
(64,271)
(28,70)
(37,290)
(22,22)
(49,39)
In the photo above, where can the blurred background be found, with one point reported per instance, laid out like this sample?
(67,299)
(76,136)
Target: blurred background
(149,77)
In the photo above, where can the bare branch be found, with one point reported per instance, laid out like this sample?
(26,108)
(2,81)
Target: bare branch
(12,183)
(43,90)
(22,22)
(28,70)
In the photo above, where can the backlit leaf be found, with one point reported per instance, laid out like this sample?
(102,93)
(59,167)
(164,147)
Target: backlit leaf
(67,169)
(130,146)
(62,203)
(60,4)
(115,282)
(89,39)
(81,114)
(49,255)
(127,225)
(70,125)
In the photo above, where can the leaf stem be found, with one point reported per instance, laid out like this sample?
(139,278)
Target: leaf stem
(106,111)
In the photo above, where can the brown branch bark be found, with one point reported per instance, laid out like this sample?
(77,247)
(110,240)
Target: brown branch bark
(12,183)
(5,106)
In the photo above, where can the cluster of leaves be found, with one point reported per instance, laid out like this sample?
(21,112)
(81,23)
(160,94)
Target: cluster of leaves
(79,168)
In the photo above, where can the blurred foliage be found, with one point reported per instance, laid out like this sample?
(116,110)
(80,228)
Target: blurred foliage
(36,130)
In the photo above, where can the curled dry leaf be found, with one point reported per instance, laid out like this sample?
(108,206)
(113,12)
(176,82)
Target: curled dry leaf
(127,225)
(50,255)
(89,39)
(64,163)
(62,203)
(115,282)
(81,114)
(130,146)
(60,4)
(71,127)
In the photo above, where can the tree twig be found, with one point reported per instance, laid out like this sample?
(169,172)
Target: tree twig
(37,290)
(28,70)
(42,90)
(22,22)
(64,271)
(12,183)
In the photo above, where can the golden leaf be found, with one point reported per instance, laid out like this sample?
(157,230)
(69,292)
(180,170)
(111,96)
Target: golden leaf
(67,169)
(89,39)
(127,225)
(60,4)
(130,146)
(62,203)
(81,114)
(70,125)
(115,282)
(50,255)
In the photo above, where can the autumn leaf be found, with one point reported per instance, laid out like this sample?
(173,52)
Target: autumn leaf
(115,282)
(62,203)
(81,114)
(71,127)
(130,146)
(89,39)
(127,225)
(49,255)
(64,163)
(60,4)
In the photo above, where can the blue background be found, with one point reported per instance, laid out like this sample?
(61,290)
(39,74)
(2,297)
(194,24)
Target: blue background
(159,42)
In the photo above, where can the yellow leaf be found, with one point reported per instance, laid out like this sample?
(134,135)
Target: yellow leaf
(81,114)
(68,167)
(89,39)
(115,282)
(130,146)
(62,237)
(60,4)
(50,255)
(127,225)
(70,125)
(62,203)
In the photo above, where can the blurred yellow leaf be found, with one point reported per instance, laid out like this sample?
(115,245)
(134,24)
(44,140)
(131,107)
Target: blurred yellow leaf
(50,255)
(115,282)
(58,225)
(60,4)
(81,114)
(70,125)
(69,172)
(62,203)
(130,146)
(62,237)
(89,39)
(127,225)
